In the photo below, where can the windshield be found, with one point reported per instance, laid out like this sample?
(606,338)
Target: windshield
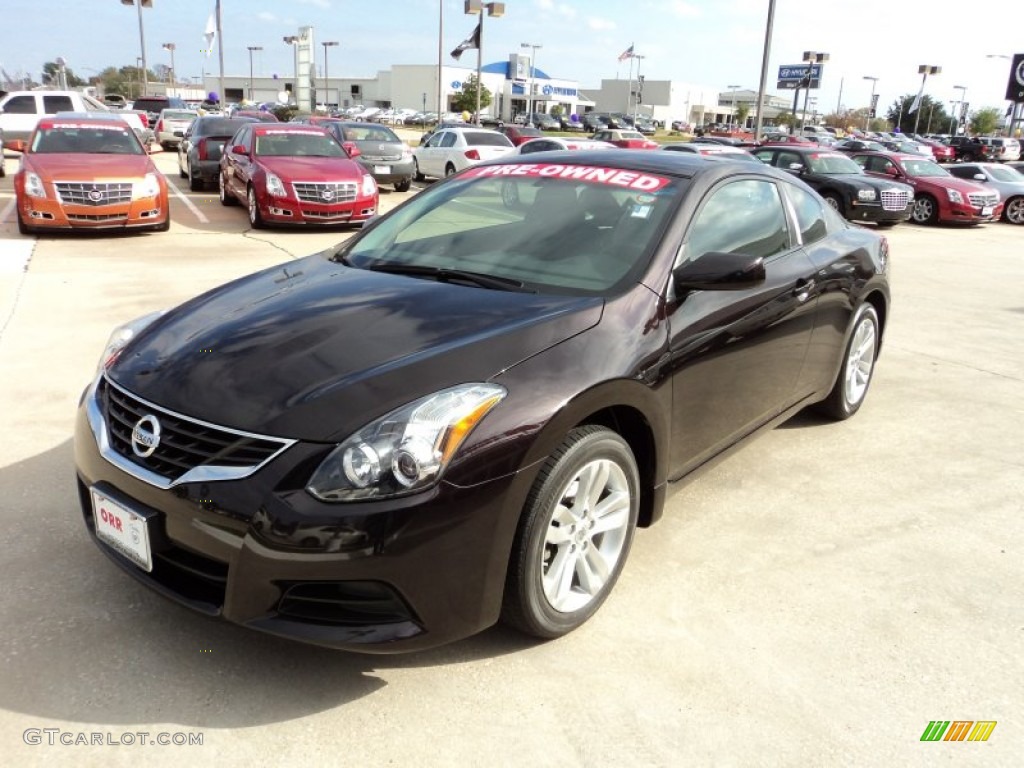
(564,229)
(61,138)
(923,168)
(833,164)
(292,143)
(1000,173)
(378,133)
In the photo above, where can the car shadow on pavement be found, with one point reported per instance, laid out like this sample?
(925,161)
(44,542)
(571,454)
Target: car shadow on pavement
(82,642)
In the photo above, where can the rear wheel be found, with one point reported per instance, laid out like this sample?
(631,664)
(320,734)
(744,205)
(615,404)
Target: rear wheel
(181,171)
(416,171)
(195,183)
(449,170)
(255,217)
(574,534)
(858,366)
(403,185)
(926,210)
(226,198)
(1014,210)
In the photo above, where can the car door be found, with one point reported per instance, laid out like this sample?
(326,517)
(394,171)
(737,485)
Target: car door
(238,163)
(736,355)
(431,156)
(20,115)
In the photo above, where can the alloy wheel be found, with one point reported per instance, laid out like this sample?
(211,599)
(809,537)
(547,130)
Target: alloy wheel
(860,360)
(1015,211)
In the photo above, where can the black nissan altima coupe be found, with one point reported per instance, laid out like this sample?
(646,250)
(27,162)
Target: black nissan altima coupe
(462,413)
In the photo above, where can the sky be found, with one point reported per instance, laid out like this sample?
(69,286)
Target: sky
(714,43)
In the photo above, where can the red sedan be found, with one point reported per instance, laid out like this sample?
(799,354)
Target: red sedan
(520,134)
(294,174)
(626,139)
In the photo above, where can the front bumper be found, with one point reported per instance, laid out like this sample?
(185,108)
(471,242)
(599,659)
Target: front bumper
(968,214)
(279,210)
(868,211)
(383,577)
(48,213)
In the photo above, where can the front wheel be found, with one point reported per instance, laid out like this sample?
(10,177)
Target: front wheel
(926,210)
(226,198)
(1014,210)
(834,202)
(854,377)
(574,534)
(255,217)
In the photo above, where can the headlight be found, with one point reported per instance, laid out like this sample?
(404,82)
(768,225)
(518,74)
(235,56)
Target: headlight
(954,196)
(148,187)
(866,194)
(407,450)
(369,186)
(120,337)
(34,186)
(274,186)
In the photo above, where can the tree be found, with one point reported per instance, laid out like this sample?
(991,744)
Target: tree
(51,75)
(931,111)
(984,122)
(125,81)
(742,113)
(465,100)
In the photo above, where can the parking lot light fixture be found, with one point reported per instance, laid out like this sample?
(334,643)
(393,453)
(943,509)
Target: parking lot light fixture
(924,70)
(811,58)
(252,48)
(529,94)
(327,80)
(474,8)
(871,104)
(140,4)
(172,76)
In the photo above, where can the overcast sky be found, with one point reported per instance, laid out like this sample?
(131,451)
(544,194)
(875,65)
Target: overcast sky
(705,42)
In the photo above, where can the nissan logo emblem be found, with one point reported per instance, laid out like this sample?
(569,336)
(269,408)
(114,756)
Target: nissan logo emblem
(145,436)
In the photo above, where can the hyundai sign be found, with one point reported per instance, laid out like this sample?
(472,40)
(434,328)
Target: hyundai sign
(1015,87)
(791,75)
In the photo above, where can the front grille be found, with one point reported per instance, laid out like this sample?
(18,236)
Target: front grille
(895,200)
(185,444)
(310,214)
(97,217)
(348,603)
(195,577)
(93,192)
(327,192)
(981,199)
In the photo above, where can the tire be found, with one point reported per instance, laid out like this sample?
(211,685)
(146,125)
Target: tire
(834,202)
(226,198)
(163,226)
(449,170)
(926,210)
(1014,210)
(556,548)
(857,368)
(403,185)
(24,228)
(181,172)
(255,217)
(3,169)
(416,172)
(195,184)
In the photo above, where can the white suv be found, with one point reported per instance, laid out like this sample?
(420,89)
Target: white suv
(1003,150)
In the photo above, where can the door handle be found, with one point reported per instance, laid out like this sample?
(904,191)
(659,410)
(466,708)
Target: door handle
(803,289)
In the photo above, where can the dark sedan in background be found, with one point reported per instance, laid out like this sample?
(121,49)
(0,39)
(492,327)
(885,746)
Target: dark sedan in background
(464,411)
(844,184)
(200,148)
(385,156)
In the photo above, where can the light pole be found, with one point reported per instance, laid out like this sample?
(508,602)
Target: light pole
(327,79)
(812,58)
(765,54)
(954,121)
(474,7)
(871,104)
(142,77)
(924,70)
(529,95)
(293,41)
(142,38)
(172,76)
(639,85)
(732,104)
(252,48)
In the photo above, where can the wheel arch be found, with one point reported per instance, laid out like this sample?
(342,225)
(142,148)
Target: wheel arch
(881,306)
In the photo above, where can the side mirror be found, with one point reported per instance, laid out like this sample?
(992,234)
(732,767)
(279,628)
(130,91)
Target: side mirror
(892,171)
(352,149)
(239,149)
(16,145)
(717,271)
(796,167)
(980,177)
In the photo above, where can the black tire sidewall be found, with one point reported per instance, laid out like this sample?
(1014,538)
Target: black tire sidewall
(581,446)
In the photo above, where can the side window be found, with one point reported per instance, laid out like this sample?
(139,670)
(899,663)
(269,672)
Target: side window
(787,159)
(54,104)
(242,137)
(862,161)
(21,105)
(765,156)
(435,140)
(964,172)
(740,217)
(448,139)
(810,215)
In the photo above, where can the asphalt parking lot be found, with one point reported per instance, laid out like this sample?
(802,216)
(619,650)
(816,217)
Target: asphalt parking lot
(815,600)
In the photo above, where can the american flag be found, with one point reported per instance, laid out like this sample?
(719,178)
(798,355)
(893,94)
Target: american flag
(626,54)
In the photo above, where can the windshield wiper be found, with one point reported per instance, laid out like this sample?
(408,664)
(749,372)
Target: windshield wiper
(448,275)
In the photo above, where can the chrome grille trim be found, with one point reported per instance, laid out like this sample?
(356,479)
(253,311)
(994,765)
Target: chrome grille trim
(102,430)
(93,192)
(981,199)
(337,191)
(895,200)
(97,217)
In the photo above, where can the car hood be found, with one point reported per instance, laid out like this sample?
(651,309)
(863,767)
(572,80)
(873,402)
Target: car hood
(314,350)
(312,168)
(949,182)
(864,181)
(90,167)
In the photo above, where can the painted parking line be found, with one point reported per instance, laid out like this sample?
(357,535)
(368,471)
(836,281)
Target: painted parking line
(6,212)
(188,203)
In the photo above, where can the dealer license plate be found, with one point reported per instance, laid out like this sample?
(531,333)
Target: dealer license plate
(382,169)
(986,211)
(122,529)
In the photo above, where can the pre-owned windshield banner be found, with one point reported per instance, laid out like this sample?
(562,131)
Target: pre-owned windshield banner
(643,182)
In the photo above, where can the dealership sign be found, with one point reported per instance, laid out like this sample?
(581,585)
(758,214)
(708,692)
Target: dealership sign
(791,75)
(1015,87)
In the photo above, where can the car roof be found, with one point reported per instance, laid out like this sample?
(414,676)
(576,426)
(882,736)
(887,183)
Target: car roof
(262,128)
(83,117)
